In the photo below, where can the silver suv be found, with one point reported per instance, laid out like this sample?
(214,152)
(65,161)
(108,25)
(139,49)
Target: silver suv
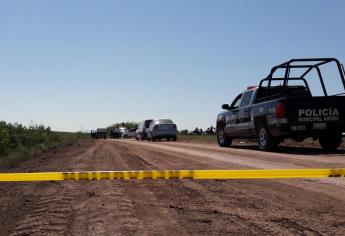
(123,131)
(140,133)
(163,128)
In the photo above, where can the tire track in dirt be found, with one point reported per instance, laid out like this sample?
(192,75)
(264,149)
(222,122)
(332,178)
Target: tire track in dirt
(49,214)
(204,212)
(249,162)
(103,206)
(312,159)
(163,207)
(156,219)
(47,205)
(251,212)
(247,158)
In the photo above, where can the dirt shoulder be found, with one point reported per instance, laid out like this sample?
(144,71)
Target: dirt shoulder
(184,207)
(211,139)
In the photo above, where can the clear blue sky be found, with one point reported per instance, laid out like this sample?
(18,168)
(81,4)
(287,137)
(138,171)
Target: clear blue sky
(72,64)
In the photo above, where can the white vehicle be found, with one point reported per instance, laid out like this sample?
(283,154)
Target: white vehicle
(131,133)
(123,132)
(163,128)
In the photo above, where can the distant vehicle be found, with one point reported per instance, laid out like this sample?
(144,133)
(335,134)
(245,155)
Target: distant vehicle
(140,133)
(93,134)
(123,132)
(275,111)
(163,128)
(115,133)
(197,131)
(101,133)
(131,133)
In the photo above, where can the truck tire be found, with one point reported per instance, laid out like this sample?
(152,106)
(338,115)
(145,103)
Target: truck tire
(223,139)
(330,142)
(266,141)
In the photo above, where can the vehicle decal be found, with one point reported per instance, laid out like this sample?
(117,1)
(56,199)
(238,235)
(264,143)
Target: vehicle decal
(312,115)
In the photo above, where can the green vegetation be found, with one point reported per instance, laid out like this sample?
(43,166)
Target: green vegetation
(128,125)
(198,138)
(18,142)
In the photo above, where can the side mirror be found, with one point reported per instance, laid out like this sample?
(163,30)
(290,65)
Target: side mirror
(226,107)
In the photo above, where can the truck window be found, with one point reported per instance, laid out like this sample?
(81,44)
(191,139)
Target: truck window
(236,103)
(247,97)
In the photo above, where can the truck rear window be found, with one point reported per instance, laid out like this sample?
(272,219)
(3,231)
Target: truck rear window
(266,93)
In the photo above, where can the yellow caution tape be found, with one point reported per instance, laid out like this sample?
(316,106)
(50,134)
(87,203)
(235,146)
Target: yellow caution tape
(174,174)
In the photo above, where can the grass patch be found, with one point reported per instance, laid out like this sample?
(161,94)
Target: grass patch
(198,138)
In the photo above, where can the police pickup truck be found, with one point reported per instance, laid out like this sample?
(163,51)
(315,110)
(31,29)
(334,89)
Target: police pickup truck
(286,107)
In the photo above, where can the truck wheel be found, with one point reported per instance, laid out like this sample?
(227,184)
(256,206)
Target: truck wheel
(266,141)
(174,139)
(330,142)
(223,139)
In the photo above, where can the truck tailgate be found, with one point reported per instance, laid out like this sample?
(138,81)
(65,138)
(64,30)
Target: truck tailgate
(316,110)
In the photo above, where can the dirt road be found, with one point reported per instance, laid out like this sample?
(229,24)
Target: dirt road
(174,207)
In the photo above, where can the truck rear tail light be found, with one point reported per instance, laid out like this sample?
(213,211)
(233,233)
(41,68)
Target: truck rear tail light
(156,127)
(281,110)
(251,87)
(174,126)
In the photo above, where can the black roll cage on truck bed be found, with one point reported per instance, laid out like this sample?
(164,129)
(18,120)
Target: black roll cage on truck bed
(309,64)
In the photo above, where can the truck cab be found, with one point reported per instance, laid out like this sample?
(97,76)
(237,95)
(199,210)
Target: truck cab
(236,119)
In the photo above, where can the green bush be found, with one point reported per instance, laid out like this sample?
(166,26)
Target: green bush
(4,139)
(20,142)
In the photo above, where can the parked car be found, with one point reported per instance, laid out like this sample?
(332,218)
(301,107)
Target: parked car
(93,134)
(163,128)
(140,133)
(115,133)
(275,111)
(131,133)
(123,132)
(101,133)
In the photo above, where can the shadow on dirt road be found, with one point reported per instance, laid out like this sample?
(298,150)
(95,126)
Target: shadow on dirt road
(290,149)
